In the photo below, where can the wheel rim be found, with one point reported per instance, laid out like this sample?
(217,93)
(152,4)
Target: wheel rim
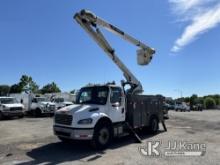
(103,136)
(154,125)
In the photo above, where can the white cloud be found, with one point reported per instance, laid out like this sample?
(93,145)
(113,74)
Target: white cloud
(184,5)
(203,15)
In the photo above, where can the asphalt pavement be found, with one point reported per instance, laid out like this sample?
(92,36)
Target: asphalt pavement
(31,141)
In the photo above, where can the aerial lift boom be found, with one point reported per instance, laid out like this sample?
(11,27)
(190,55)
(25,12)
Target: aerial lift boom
(90,22)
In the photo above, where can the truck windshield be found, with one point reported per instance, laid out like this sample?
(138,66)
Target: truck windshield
(41,99)
(58,100)
(8,100)
(93,95)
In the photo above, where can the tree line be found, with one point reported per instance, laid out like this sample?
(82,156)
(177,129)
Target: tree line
(27,84)
(208,102)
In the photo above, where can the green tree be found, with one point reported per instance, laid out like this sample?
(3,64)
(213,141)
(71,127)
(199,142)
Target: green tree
(4,90)
(27,83)
(187,99)
(50,88)
(209,103)
(15,88)
(193,100)
(73,91)
(200,100)
(217,99)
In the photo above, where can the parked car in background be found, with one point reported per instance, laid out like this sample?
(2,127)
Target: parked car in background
(60,102)
(181,106)
(172,106)
(197,107)
(10,107)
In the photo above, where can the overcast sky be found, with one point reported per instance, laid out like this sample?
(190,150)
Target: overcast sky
(41,39)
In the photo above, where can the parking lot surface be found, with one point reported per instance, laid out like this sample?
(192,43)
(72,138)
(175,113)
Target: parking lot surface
(31,141)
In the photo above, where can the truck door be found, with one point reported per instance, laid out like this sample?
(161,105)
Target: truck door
(33,104)
(117,105)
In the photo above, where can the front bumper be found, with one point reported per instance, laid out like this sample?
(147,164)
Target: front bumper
(47,111)
(73,133)
(12,113)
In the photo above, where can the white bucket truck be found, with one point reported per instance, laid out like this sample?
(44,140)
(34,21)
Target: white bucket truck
(39,106)
(105,111)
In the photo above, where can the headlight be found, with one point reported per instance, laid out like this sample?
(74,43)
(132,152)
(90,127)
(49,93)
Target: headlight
(5,107)
(85,121)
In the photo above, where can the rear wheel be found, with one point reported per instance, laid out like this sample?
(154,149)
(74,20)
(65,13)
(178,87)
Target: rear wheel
(102,135)
(154,125)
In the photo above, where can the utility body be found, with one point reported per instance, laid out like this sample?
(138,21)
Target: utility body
(102,112)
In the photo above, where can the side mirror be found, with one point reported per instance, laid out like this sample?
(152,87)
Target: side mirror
(117,104)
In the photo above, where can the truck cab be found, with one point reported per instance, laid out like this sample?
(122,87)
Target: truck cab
(41,105)
(100,113)
(60,102)
(10,107)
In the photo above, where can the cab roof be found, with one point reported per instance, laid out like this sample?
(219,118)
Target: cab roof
(101,85)
(5,97)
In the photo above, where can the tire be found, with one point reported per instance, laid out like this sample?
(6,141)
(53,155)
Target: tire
(21,116)
(1,116)
(51,114)
(37,112)
(154,125)
(102,135)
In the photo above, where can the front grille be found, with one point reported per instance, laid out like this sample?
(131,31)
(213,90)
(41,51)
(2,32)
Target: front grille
(52,107)
(15,108)
(63,119)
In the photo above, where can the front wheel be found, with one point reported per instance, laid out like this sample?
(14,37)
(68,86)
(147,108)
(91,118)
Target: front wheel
(21,116)
(102,136)
(1,116)
(37,113)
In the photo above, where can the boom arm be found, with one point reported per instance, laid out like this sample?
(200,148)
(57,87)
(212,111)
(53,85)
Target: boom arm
(89,22)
